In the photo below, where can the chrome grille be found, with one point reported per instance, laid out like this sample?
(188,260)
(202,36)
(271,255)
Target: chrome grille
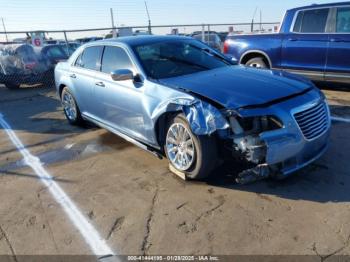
(313,121)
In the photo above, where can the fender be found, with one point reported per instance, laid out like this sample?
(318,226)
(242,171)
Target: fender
(256,51)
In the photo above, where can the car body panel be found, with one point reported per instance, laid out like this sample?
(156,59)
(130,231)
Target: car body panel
(236,82)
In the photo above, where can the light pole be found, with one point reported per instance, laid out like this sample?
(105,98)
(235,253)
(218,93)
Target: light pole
(149,20)
(3,24)
(114,32)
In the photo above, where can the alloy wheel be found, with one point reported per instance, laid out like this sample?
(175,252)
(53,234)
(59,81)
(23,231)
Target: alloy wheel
(180,146)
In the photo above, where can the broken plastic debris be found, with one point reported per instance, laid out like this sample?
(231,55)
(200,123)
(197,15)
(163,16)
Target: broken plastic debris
(252,175)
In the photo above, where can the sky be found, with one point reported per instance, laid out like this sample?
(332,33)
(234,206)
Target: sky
(23,15)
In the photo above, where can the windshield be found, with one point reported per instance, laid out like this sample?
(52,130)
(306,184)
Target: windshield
(177,58)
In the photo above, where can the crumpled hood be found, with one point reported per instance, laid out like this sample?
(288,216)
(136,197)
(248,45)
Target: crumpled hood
(237,86)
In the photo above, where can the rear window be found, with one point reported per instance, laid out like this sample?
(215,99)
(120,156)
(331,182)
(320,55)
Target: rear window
(311,21)
(343,20)
(56,52)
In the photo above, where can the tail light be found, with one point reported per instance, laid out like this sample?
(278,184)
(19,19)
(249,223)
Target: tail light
(225,51)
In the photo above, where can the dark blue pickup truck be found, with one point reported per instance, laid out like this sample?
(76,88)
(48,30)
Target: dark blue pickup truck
(313,41)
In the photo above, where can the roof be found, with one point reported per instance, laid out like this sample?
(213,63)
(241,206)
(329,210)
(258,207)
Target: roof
(323,5)
(142,39)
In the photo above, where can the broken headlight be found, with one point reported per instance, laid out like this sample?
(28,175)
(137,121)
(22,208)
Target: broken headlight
(246,137)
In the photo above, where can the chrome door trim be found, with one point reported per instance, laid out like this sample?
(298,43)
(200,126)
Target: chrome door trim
(152,149)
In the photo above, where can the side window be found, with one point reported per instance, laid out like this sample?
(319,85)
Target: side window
(115,58)
(343,20)
(311,21)
(298,22)
(91,58)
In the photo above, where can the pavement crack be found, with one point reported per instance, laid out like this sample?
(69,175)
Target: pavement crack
(221,200)
(116,226)
(8,242)
(146,243)
(325,257)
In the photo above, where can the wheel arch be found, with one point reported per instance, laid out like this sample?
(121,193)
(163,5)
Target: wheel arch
(255,53)
(60,89)
(161,124)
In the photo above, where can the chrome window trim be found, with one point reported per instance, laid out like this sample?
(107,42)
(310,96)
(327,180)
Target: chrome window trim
(83,68)
(137,69)
(291,29)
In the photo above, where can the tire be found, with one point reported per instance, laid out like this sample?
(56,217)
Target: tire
(257,62)
(70,108)
(205,154)
(12,86)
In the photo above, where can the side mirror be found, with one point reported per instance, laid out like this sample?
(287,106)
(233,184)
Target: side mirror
(122,75)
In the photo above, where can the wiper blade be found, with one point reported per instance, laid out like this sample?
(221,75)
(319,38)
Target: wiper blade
(210,52)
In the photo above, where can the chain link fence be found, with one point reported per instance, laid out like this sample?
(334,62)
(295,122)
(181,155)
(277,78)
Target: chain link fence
(28,60)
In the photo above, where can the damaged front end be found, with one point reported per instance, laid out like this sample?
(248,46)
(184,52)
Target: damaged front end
(272,140)
(278,146)
(250,147)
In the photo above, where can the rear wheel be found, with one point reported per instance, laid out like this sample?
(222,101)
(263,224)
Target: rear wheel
(195,156)
(257,62)
(10,85)
(70,108)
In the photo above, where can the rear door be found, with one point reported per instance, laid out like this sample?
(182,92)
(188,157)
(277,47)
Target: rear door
(304,49)
(82,76)
(338,64)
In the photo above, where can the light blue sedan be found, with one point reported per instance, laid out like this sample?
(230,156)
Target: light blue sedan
(177,97)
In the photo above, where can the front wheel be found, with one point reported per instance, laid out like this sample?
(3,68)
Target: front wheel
(195,156)
(70,108)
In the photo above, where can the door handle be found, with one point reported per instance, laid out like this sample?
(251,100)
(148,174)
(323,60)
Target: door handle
(293,39)
(73,76)
(100,84)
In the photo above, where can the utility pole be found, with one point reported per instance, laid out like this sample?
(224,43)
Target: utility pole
(114,32)
(149,20)
(252,26)
(3,24)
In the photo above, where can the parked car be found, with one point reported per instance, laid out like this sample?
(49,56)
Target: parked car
(88,39)
(175,97)
(213,40)
(20,64)
(313,41)
(72,46)
(51,55)
(54,53)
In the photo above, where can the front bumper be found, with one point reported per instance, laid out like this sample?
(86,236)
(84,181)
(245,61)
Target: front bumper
(289,154)
(287,149)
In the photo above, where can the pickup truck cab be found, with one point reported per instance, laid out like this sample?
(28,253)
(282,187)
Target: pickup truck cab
(313,41)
